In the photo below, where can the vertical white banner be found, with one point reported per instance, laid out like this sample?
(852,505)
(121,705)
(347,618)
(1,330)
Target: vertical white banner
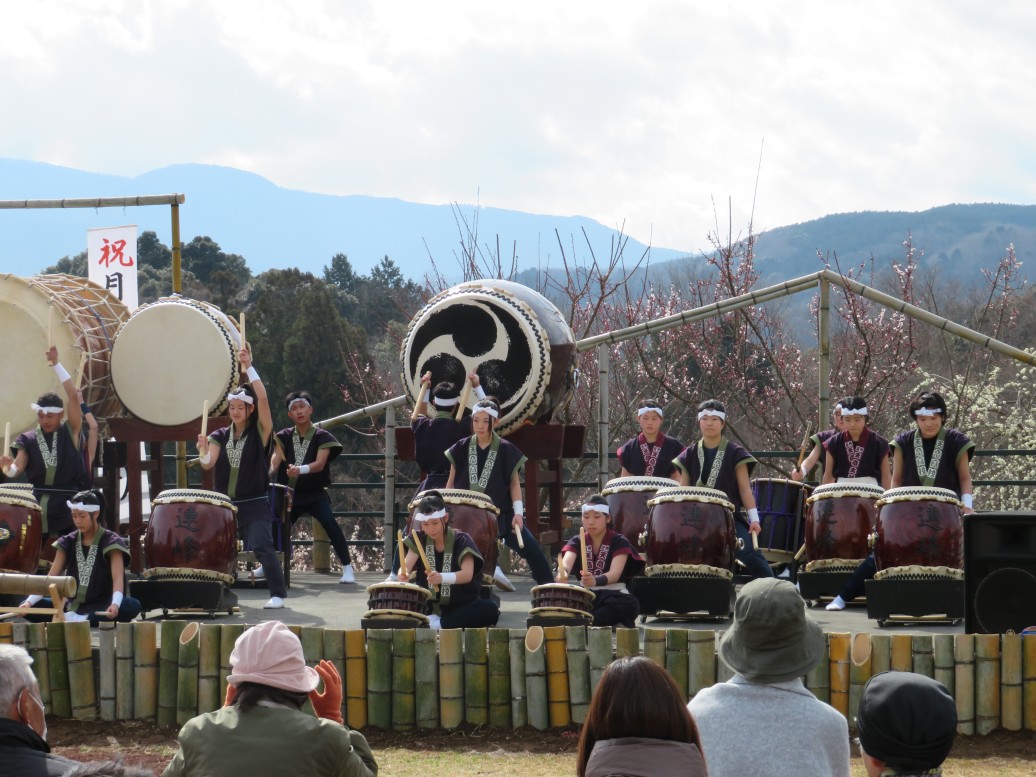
(111,255)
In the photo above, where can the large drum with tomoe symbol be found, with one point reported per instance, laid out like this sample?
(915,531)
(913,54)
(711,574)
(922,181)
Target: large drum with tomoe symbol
(690,526)
(782,516)
(472,513)
(839,518)
(513,337)
(192,534)
(628,505)
(919,526)
(21,531)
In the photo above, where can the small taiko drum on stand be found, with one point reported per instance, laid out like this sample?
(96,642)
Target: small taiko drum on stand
(782,516)
(918,551)
(21,532)
(690,554)
(839,519)
(396,606)
(628,505)
(472,513)
(561,604)
(190,549)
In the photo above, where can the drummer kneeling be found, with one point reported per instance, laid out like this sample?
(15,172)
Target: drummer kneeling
(610,562)
(94,556)
(455,577)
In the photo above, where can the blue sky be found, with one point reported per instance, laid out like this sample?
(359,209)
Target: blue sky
(648,114)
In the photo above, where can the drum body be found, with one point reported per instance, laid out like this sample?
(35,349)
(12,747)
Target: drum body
(839,517)
(782,515)
(628,505)
(472,513)
(21,531)
(919,527)
(85,320)
(157,358)
(691,526)
(191,529)
(514,338)
(561,600)
(398,597)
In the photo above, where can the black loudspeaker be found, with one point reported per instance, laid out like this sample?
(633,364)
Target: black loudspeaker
(999,572)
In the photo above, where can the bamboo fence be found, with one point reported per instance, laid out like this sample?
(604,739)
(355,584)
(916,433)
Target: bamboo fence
(540,677)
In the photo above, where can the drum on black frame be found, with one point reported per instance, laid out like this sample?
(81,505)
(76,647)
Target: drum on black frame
(839,518)
(918,527)
(192,534)
(21,531)
(690,527)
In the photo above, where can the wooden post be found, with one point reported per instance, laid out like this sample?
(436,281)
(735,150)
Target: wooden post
(839,649)
(536,678)
(600,649)
(145,671)
(356,678)
(168,669)
(654,645)
(209,697)
(819,678)
(499,679)
(379,678)
(41,662)
(1011,710)
(57,658)
(987,683)
(107,659)
(578,665)
(942,654)
(426,676)
(964,682)
(627,642)
(923,656)
(403,679)
(476,677)
(701,660)
(187,673)
(516,658)
(451,678)
(82,691)
(557,675)
(676,657)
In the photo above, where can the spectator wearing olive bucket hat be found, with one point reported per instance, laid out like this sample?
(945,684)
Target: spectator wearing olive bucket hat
(763,721)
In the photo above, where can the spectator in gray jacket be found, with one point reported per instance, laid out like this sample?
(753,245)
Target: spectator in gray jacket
(763,721)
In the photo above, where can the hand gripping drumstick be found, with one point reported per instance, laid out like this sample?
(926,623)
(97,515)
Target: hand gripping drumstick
(463,399)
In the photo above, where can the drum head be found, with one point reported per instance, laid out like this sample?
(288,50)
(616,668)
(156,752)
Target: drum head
(170,357)
(619,485)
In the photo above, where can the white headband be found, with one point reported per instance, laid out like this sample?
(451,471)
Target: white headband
(928,411)
(38,409)
(482,409)
(242,395)
(84,508)
(421,517)
(860,411)
(596,508)
(709,411)
(292,403)
(443,402)
(650,409)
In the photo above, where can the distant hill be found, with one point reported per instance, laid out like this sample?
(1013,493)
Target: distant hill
(271,226)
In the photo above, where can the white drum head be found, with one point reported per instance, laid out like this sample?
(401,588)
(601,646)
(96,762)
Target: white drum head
(170,357)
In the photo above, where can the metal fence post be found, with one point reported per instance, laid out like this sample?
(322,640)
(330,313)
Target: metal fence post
(603,435)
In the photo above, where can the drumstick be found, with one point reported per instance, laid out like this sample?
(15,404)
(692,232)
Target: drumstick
(244,340)
(82,368)
(518,534)
(800,551)
(402,556)
(424,559)
(204,417)
(802,450)
(463,399)
(7,439)
(755,540)
(50,326)
(582,546)
(561,566)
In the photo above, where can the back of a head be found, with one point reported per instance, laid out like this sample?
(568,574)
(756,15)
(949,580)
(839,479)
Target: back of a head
(270,655)
(15,674)
(906,720)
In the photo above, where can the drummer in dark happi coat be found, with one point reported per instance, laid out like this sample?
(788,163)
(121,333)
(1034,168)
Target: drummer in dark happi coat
(650,453)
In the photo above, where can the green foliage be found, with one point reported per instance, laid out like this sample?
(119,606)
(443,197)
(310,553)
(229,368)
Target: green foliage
(69,265)
(151,252)
(373,301)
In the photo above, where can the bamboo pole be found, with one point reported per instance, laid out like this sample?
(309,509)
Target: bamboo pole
(942,655)
(187,673)
(902,657)
(57,657)
(312,639)
(82,690)
(1029,691)
(168,668)
(20,635)
(96,202)
(516,657)
(922,655)
(536,678)
(321,548)
(987,683)
(964,682)
(627,642)
(577,662)
(599,641)
(379,678)
(654,645)
(426,676)
(476,677)
(839,649)
(41,662)
(881,653)
(123,671)
(819,678)
(356,678)
(557,675)
(859,671)
(701,660)
(334,651)
(6,633)
(209,698)
(499,679)
(451,678)
(403,680)
(1011,711)
(107,659)
(228,634)
(676,662)
(145,671)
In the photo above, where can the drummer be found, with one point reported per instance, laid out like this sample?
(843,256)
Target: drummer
(798,472)
(239,454)
(650,453)
(301,460)
(929,456)
(857,454)
(96,558)
(456,575)
(490,465)
(611,561)
(50,455)
(716,462)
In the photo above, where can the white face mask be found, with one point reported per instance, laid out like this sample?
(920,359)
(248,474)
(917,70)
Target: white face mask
(43,713)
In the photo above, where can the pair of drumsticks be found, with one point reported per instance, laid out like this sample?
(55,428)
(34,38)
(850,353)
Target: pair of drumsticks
(582,550)
(404,575)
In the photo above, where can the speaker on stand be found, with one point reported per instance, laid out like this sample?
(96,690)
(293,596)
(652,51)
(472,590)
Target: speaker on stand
(999,572)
